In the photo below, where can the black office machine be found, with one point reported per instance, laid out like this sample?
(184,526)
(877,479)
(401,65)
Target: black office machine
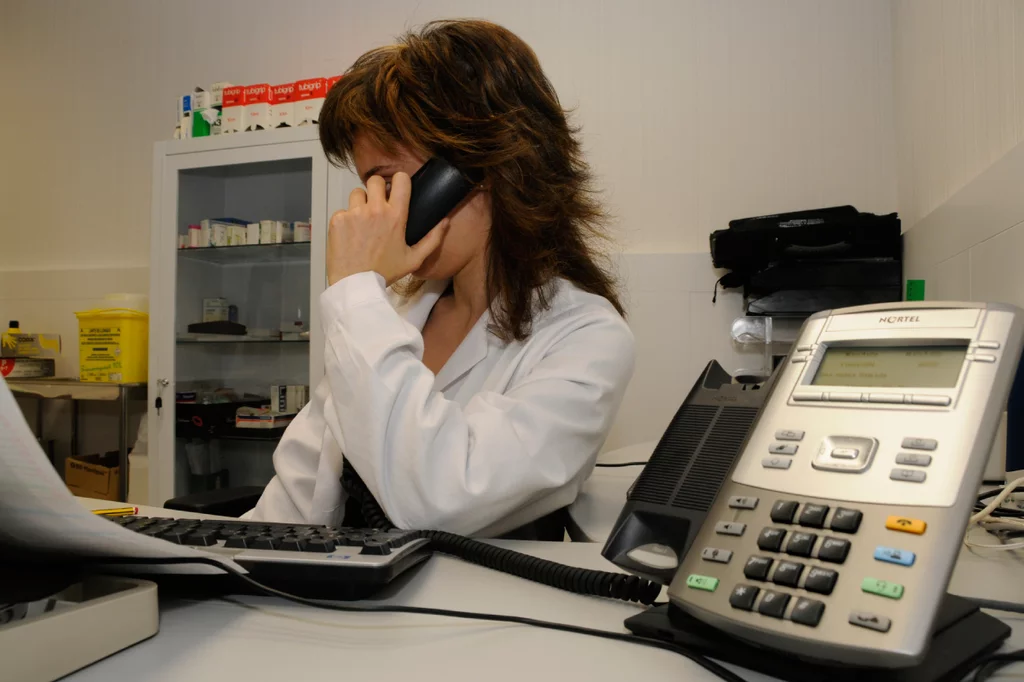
(796,264)
(835,516)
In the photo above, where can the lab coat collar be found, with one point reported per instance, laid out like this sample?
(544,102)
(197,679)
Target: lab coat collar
(473,349)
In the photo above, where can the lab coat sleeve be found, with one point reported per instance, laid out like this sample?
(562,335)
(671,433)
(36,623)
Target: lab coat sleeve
(432,463)
(306,486)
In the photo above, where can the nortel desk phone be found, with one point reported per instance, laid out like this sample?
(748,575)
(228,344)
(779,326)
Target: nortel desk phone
(834,533)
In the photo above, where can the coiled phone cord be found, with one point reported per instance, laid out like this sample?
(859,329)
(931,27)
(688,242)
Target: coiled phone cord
(568,578)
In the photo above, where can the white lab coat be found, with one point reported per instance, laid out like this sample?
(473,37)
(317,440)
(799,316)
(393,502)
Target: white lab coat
(504,434)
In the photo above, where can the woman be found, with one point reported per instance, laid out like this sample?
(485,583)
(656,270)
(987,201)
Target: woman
(476,399)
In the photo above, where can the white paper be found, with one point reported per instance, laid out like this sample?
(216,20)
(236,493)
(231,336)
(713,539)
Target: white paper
(38,512)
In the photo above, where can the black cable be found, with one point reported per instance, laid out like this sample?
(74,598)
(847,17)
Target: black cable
(997,604)
(704,662)
(621,464)
(621,586)
(995,662)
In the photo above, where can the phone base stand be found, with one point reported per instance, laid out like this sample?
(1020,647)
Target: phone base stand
(963,636)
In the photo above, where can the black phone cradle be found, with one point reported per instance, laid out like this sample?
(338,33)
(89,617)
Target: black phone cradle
(963,637)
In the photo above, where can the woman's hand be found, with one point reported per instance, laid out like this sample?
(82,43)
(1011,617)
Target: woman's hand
(370,235)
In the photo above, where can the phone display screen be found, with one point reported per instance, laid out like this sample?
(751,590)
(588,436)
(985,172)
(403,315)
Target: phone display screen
(891,366)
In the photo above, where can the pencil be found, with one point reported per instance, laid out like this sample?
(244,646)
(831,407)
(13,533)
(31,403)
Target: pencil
(119,511)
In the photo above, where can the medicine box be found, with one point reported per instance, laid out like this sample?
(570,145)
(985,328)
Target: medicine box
(217,93)
(257,107)
(252,234)
(267,228)
(26,368)
(233,118)
(30,346)
(282,105)
(215,309)
(309,99)
(303,231)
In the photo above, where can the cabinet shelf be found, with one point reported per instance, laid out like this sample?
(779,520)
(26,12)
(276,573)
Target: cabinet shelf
(231,338)
(251,254)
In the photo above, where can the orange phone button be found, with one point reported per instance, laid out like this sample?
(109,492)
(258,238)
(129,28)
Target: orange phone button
(906,525)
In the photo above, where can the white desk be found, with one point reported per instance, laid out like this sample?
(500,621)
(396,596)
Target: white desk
(270,639)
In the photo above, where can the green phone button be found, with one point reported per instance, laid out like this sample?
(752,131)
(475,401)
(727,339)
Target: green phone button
(882,588)
(702,582)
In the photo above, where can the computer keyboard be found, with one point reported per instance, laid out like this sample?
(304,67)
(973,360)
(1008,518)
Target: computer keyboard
(312,561)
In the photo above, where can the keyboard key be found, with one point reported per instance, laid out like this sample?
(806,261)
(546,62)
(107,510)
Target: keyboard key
(834,550)
(846,520)
(265,542)
(292,543)
(318,545)
(773,604)
(801,544)
(821,580)
(177,535)
(376,547)
(807,612)
(743,597)
(770,539)
(783,511)
(813,515)
(204,539)
(787,573)
(154,531)
(241,541)
(757,567)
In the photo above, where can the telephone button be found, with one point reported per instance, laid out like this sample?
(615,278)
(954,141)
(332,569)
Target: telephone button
(807,612)
(743,597)
(776,462)
(730,528)
(870,621)
(919,444)
(800,544)
(882,588)
(843,397)
(988,345)
(702,582)
(773,604)
(895,556)
(757,567)
(846,520)
(894,398)
(914,459)
(909,475)
(788,573)
(738,502)
(789,434)
(905,525)
(813,515)
(721,556)
(935,400)
(821,580)
(783,448)
(770,539)
(807,396)
(834,550)
(783,511)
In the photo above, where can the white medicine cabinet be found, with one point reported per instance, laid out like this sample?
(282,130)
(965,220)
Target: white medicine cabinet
(200,374)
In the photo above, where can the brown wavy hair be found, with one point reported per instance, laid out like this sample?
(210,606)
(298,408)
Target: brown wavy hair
(474,93)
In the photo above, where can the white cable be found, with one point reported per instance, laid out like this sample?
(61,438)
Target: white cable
(984,517)
(997,500)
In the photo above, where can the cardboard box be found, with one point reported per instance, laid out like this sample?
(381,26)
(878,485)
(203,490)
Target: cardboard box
(257,107)
(303,231)
(26,368)
(233,114)
(283,233)
(96,476)
(331,81)
(282,105)
(309,99)
(267,231)
(217,93)
(30,346)
(252,234)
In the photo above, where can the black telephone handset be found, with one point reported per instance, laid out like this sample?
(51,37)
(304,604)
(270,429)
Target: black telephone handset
(437,188)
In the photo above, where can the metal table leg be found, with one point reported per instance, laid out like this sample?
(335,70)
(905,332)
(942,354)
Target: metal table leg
(122,446)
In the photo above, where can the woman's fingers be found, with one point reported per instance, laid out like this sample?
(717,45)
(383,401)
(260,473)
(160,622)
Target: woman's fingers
(376,190)
(357,197)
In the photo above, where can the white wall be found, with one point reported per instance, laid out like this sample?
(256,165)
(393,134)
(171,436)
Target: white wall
(959,119)
(694,112)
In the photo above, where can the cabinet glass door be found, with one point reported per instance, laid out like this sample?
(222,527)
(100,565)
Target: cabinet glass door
(241,318)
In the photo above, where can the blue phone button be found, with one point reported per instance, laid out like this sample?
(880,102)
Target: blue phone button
(895,556)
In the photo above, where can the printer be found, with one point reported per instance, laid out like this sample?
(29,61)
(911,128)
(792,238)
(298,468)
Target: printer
(796,264)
